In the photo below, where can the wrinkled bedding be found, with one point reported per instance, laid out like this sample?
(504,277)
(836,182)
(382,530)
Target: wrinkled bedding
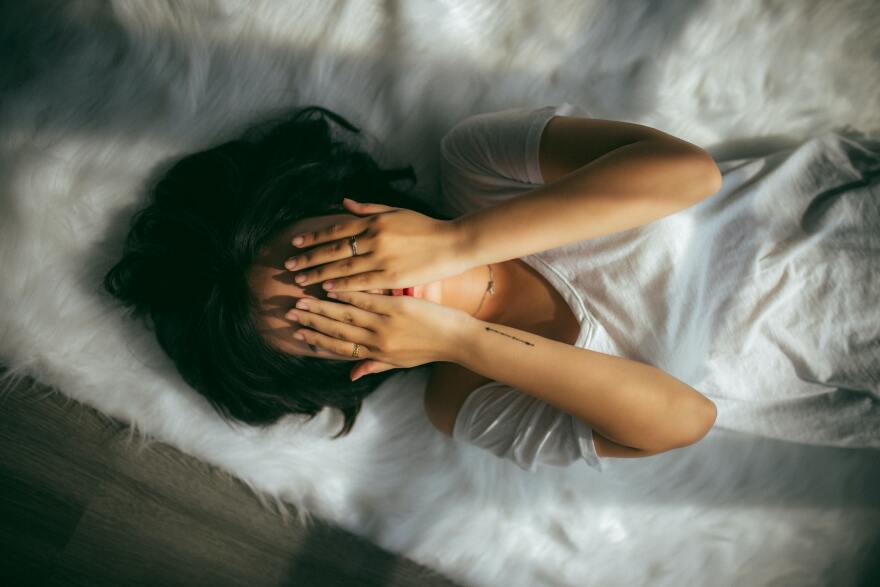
(97,95)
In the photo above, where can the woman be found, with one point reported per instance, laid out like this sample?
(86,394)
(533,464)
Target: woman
(554,321)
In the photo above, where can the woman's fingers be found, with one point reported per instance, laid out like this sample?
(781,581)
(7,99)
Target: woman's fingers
(340,249)
(362,208)
(369,367)
(335,327)
(372,303)
(359,282)
(335,335)
(346,265)
(341,314)
(340,233)
(331,233)
(332,345)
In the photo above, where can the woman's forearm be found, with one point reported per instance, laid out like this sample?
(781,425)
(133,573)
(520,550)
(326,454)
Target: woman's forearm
(628,187)
(629,402)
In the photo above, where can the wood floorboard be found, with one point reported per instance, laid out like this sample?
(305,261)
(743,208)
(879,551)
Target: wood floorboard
(125,534)
(32,542)
(80,504)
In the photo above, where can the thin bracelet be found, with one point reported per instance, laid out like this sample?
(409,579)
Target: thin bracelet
(490,289)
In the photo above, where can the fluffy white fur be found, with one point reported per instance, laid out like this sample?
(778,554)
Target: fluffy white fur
(96,94)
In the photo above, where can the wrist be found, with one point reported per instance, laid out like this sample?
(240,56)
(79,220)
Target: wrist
(463,242)
(461,341)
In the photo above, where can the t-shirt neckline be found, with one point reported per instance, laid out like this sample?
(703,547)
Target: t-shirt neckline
(569,294)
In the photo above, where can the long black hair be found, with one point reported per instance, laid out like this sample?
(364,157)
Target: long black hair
(187,253)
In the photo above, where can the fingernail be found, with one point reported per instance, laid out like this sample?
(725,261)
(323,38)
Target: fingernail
(298,336)
(291,263)
(332,294)
(292,317)
(300,278)
(302,305)
(328,285)
(298,240)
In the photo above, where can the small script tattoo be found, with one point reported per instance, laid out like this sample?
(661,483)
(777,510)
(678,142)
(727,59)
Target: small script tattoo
(509,336)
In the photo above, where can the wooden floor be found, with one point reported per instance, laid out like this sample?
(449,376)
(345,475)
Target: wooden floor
(79,506)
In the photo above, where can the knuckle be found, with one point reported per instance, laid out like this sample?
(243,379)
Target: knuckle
(345,265)
(348,317)
(337,247)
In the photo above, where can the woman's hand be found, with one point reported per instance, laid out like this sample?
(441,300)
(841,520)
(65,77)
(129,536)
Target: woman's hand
(396,248)
(393,331)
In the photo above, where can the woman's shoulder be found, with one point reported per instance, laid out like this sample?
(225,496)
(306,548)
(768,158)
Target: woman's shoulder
(449,385)
(500,145)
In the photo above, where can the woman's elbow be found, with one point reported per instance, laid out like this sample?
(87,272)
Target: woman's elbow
(711,178)
(714,178)
(692,421)
(699,424)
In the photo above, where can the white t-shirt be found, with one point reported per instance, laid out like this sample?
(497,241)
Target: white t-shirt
(486,158)
(762,297)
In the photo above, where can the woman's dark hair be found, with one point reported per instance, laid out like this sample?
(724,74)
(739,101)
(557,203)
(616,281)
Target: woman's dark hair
(186,256)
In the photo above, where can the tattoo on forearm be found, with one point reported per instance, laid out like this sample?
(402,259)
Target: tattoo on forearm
(509,336)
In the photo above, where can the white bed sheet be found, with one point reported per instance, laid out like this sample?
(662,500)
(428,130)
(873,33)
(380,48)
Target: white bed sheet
(97,94)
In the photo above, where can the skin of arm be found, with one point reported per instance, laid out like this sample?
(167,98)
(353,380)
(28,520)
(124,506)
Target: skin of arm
(605,177)
(601,177)
(631,403)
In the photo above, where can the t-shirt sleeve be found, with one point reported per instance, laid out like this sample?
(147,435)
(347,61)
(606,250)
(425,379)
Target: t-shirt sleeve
(488,157)
(524,429)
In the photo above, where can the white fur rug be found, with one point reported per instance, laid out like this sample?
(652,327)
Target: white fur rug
(95,94)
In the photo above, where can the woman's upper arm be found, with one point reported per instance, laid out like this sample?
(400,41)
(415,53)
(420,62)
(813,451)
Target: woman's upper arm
(570,142)
(448,388)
